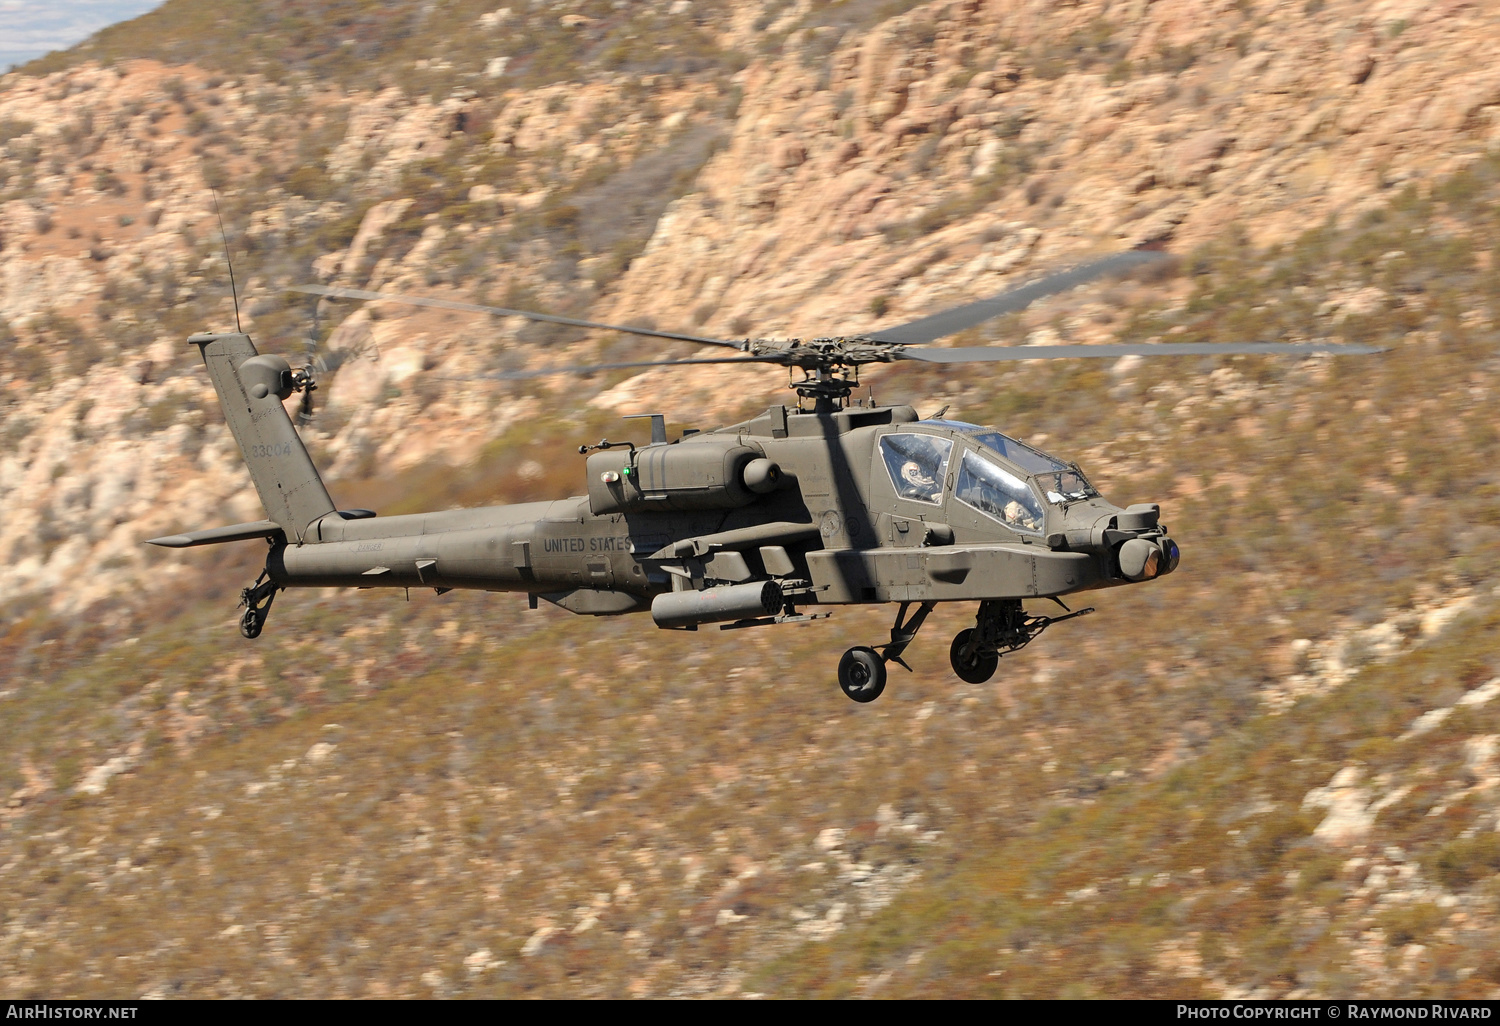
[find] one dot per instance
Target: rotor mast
(827, 390)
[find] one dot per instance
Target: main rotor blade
(994, 354)
(531, 315)
(947, 322)
(590, 368)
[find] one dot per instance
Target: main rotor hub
(830, 366)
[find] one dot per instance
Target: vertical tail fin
(251, 388)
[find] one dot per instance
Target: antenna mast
(234, 292)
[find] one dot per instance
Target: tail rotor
(304, 382)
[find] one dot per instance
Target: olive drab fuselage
(678, 516)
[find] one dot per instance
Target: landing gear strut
(1001, 626)
(862, 670)
(256, 602)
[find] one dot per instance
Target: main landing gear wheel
(862, 670)
(862, 674)
(976, 666)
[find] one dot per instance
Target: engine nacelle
(716, 605)
(707, 474)
(761, 476)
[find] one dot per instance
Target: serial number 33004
(267, 451)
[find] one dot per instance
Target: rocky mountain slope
(1290, 746)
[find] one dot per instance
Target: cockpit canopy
(918, 465)
(1010, 488)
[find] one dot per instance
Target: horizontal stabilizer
(214, 535)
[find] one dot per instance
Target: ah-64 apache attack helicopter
(768, 521)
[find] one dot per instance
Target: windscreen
(998, 493)
(1067, 486)
(1060, 481)
(917, 465)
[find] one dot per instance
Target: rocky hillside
(1286, 785)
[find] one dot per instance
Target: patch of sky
(33, 28)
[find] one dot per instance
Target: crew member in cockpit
(919, 483)
(917, 465)
(1017, 514)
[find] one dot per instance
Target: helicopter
(769, 521)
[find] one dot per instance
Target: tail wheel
(251, 623)
(978, 666)
(862, 674)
